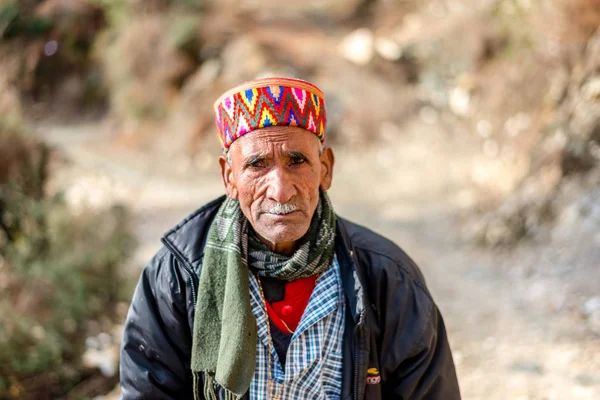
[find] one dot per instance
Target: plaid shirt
(313, 368)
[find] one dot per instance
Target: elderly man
(267, 294)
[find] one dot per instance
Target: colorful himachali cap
(270, 102)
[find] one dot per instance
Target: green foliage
(58, 271)
(15, 22)
(9, 13)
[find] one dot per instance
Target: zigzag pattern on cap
(270, 102)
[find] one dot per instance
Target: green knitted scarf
(224, 334)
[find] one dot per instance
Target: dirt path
(507, 342)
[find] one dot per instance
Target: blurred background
(468, 131)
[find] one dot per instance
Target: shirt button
(286, 310)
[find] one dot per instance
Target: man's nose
(281, 186)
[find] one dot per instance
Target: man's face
(276, 174)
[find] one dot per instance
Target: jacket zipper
(358, 346)
(355, 375)
(186, 267)
(358, 350)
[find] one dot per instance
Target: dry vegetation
(60, 274)
(561, 135)
(60, 271)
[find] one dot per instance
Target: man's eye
(297, 160)
(256, 164)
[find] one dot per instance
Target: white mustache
(282, 208)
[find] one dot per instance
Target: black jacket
(393, 331)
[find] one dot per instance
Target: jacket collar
(187, 239)
(353, 288)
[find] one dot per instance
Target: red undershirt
(286, 314)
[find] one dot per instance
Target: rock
(567, 219)
(105, 339)
(106, 360)
(388, 48)
(489, 343)
(92, 343)
(96, 193)
(591, 305)
(358, 46)
(460, 101)
(102, 352)
(498, 232)
(555, 142)
(517, 124)
(591, 90)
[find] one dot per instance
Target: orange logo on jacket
(373, 377)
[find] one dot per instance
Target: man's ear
(227, 176)
(327, 161)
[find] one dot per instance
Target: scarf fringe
(230, 396)
(209, 389)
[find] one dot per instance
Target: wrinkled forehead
(281, 139)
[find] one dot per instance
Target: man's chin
(278, 234)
